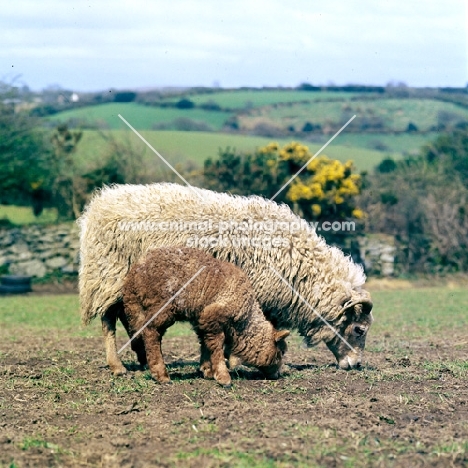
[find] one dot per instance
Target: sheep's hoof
(119, 371)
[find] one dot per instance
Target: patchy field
(179, 146)
(59, 405)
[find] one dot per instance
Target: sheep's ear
(362, 300)
(281, 335)
(366, 302)
(367, 306)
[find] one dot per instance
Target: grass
(54, 315)
(246, 99)
(422, 313)
(401, 143)
(21, 215)
(279, 108)
(85, 398)
(139, 116)
(395, 114)
(419, 313)
(254, 107)
(178, 146)
(42, 314)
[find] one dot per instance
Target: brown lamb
(219, 303)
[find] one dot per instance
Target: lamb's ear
(281, 335)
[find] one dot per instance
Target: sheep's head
(273, 354)
(346, 336)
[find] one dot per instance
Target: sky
(97, 45)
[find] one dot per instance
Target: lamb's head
(346, 336)
(271, 355)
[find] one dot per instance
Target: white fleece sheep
(299, 272)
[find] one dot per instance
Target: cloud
(239, 43)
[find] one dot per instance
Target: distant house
(13, 101)
(73, 97)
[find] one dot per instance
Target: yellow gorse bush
(326, 187)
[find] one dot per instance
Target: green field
(246, 99)
(53, 315)
(402, 143)
(139, 116)
(197, 146)
(21, 215)
(60, 405)
(405, 314)
(393, 114)
(367, 141)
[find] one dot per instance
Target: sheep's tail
(101, 273)
(87, 310)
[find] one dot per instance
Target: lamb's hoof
(207, 374)
(164, 380)
(234, 362)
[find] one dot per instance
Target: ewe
(298, 279)
(219, 303)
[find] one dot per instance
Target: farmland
(197, 146)
(141, 117)
(247, 118)
(392, 114)
(246, 99)
(408, 406)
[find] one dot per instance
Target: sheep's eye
(359, 331)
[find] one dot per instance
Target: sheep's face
(349, 342)
(273, 355)
(349, 353)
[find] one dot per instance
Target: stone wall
(378, 253)
(39, 250)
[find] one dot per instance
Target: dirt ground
(61, 407)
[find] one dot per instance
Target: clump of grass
(11, 216)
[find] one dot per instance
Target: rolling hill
(384, 125)
(197, 146)
(106, 116)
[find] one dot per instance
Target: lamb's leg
(109, 321)
(137, 343)
(211, 330)
(152, 339)
(205, 360)
(215, 345)
(234, 362)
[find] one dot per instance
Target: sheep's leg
(152, 339)
(109, 321)
(137, 343)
